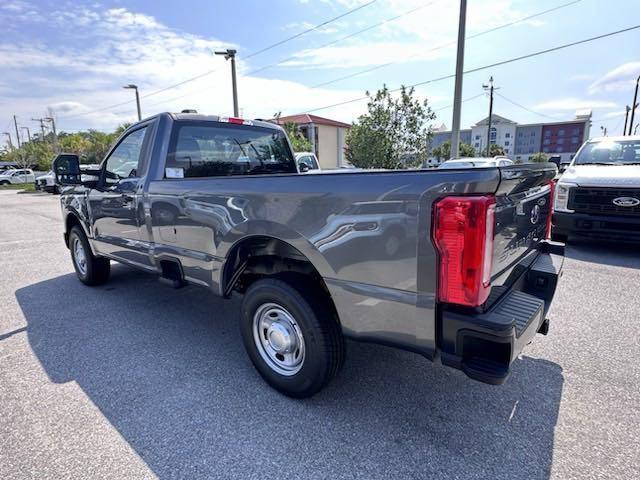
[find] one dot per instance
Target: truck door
(114, 204)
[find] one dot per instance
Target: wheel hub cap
(278, 339)
(79, 256)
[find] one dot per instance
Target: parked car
(47, 182)
(598, 196)
(477, 162)
(307, 161)
(17, 177)
(219, 202)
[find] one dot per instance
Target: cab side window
(124, 161)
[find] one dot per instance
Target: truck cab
(598, 196)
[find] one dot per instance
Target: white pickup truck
(16, 177)
(598, 196)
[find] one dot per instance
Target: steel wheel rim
(278, 339)
(79, 256)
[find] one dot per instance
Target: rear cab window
(211, 149)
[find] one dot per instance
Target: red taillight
(463, 235)
(552, 198)
(236, 120)
(239, 121)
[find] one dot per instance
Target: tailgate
(523, 207)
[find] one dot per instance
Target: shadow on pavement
(167, 369)
(606, 253)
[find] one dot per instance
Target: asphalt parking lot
(136, 380)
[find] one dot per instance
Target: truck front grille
(599, 200)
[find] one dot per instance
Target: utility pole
(230, 53)
(626, 119)
(634, 104)
(55, 133)
(41, 120)
(15, 122)
(603, 129)
(457, 91)
(9, 137)
(135, 87)
(490, 88)
(28, 133)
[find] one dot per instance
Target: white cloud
(620, 78)
(571, 103)
(428, 32)
(115, 47)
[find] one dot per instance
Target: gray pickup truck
(452, 264)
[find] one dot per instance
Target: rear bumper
(610, 227)
(484, 345)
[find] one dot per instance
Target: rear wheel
(292, 336)
(91, 270)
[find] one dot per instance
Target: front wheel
(91, 270)
(292, 336)
(4, 182)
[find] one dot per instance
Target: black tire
(4, 182)
(323, 344)
(93, 270)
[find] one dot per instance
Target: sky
(71, 59)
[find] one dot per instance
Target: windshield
(610, 152)
(7, 172)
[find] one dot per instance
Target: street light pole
(634, 105)
(9, 137)
(230, 54)
(490, 88)
(55, 133)
(15, 122)
(626, 119)
(28, 133)
(135, 87)
(457, 91)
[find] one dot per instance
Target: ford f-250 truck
(218, 202)
(598, 196)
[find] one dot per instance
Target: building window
(561, 132)
(560, 141)
(477, 144)
(507, 135)
(493, 135)
(574, 140)
(506, 143)
(576, 131)
(506, 150)
(547, 133)
(546, 141)
(559, 149)
(545, 149)
(477, 137)
(520, 134)
(531, 141)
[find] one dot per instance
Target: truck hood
(618, 176)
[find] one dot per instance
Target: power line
(485, 67)
(464, 100)
(346, 37)
(253, 54)
(445, 45)
(311, 29)
(523, 107)
(341, 39)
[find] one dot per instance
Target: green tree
(495, 150)
(539, 157)
(392, 134)
(443, 151)
(299, 142)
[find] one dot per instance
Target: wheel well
(72, 221)
(259, 257)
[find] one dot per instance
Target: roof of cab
(216, 118)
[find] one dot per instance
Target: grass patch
(27, 187)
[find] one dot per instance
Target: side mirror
(563, 167)
(303, 167)
(66, 169)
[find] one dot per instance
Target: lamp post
(230, 53)
(135, 87)
(634, 104)
(28, 132)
